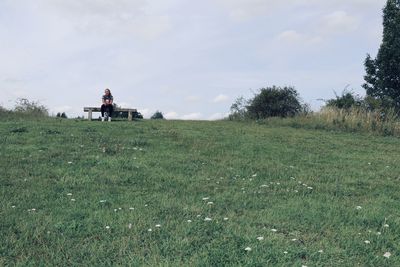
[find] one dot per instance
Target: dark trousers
(107, 108)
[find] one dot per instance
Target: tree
(239, 109)
(382, 79)
(275, 102)
(157, 116)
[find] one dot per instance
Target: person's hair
(108, 90)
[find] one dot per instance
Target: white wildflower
(260, 238)
(189, 221)
(210, 203)
(131, 208)
(386, 225)
(158, 225)
(103, 201)
(310, 187)
(285, 252)
(13, 207)
(320, 251)
(107, 227)
(387, 255)
(130, 226)
(226, 218)
(274, 230)
(149, 230)
(367, 242)
(254, 175)
(248, 249)
(207, 219)
(206, 198)
(72, 199)
(69, 194)
(294, 239)
(69, 162)
(358, 207)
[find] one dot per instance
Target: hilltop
(174, 193)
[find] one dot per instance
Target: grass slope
(315, 197)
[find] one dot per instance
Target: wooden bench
(90, 110)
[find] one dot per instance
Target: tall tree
(382, 79)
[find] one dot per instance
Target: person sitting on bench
(107, 105)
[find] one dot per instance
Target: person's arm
(103, 100)
(111, 100)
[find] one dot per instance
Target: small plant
(62, 115)
(346, 100)
(158, 115)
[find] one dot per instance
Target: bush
(157, 116)
(24, 106)
(239, 109)
(62, 115)
(274, 102)
(345, 101)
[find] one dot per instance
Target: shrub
(345, 101)
(62, 115)
(239, 109)
(157, 116)
(24, 106)
(274, 102)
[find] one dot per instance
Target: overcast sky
(188, 59)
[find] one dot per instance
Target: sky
(188, 59)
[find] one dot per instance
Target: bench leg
(129, 115)
(89, 115)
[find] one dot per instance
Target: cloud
(220, 98)
(124, 105)
(217, 116)
(119, 17)
(338, 22)
(294, 37)
(192, 98)
(192, 116)
(65, 108)
(145, 112)
(172, 115)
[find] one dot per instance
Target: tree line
(382, 82)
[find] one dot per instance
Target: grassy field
(180, 193)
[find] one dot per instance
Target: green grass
(253, 174)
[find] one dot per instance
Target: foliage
(28, 107)
(158, 115)
(346, 100)
(355, 119)
(274, 102)
(239, 109)
(382, 79)
(62, 115)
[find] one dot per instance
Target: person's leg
(110, 110)
(103, 107)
